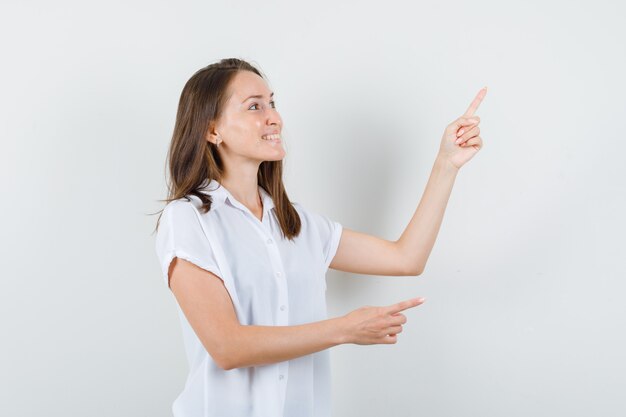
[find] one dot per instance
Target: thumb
(462, 121)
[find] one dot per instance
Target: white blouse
(272, 282)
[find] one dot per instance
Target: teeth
(271, 137)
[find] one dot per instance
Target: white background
(525, 286)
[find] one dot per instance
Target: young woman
(247, 266)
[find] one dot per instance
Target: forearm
(260, 345)
(418, 239)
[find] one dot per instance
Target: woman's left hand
(461, 140)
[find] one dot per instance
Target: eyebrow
(256, 96)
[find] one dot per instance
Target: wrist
(341, 335)
(443, 164)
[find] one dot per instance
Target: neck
(246, 192)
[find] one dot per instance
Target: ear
(211, 134)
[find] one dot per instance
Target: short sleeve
(330, 234)
(180, 235)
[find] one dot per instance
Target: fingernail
(458, 141)
(460, 132)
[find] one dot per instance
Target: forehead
(247, 83)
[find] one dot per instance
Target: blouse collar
(219, 195)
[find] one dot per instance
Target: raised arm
(361, 253)
(459, 144)
(365, 254)
(418, 239)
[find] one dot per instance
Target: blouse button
(281, 376)
(282, 308)
(269, 240)
(278, 274)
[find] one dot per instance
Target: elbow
(232, 353)
(228, 354)
(410, 272)
(409, 265)
(417, 272)
(226, 363)
(414, 270)
(223, 357)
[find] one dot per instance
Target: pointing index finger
(476, 102)
(403, 305)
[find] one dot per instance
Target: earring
(218, 143)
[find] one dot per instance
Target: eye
(256, 104)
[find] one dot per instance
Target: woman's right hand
(375, 325)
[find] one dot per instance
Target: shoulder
(304, 213)
(181, 207)
(181, 225)
(312, 218)
(301, 209)
(180, 211)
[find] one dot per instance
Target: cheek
(247, 131)
(243, 131)
(255, 130)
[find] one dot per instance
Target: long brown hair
(192, 159)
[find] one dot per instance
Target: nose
(273, 117)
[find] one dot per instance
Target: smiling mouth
(272, 138)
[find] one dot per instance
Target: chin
(277, 158)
